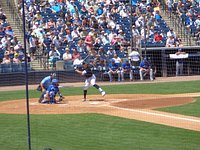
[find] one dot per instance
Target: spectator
(60, 24)
(16, 59)
(136, 36)
(50, 25)
(169, 7)
(32, 45)
(102, 53)
(178, 41)
(117, 60)
(158, 37)
(157, 16)
(145, 69)
(56, 41)
(54, 55)
(121, 37)
(6, 58)
(101, 66)
(89, 41)
(37, 17)
(2, 32)
(126, 68)
(189, 22)
(170, 41)
(9, 31)
(47, 43)
(171, 33)
(123, 13)
(75, 54)
(67, 55)
(20, 50)
(110, 53)
(197, 23)
(75, 34)
(113, 69)
(2, 16)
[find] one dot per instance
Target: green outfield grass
(92, 132)
(101, 132)
(192, 109)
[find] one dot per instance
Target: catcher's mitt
(39, 88)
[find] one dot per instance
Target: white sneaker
(103, 93)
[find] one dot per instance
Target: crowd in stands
(72, 29)
(98, 28)
(11, 50)
(188, 12)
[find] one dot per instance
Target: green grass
(192, 109)
(92, 132)
(148, 88)
(101, 132)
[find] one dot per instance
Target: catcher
(52, 91)
(90, 79)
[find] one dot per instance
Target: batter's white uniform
(89, 81)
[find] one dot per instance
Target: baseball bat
(85, 58)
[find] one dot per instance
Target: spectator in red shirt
(158, 37)
(75, 54)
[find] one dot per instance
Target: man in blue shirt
(113, 69)
(126, 68)
(145, 69)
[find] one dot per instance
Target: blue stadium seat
(68, 65)
(6, 68)
(16, 67)
(28, 67)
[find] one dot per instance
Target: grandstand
(120, 27)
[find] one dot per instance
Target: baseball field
(148, 116)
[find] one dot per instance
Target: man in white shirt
(67, 55)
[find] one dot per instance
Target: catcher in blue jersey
(90, 79)
(51, 92)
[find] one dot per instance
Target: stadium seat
(16, 67)
(68, 65)
(6, 68)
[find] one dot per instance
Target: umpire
(44, 84)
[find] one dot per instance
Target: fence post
(164, 63)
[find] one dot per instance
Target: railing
(177, 23)
(42, 60)
(15, 15)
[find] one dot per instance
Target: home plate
(94, 103)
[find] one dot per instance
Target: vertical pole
(164, 63)
(131, 23)
(145, 39)
(26, 77)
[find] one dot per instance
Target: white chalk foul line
(157, 114)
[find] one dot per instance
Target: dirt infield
(132, 106)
